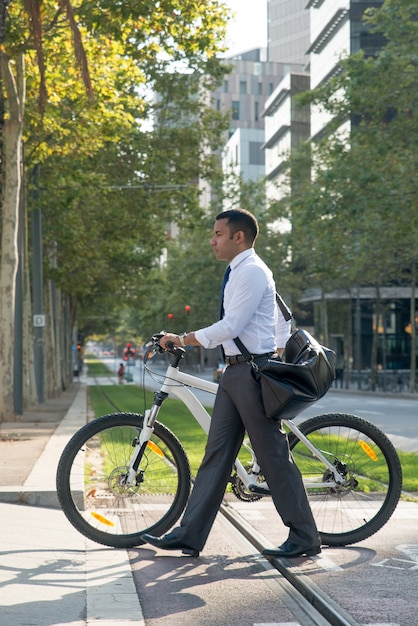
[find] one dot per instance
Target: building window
(260, 89)
(256, 153)
(235, 109)
(225, 86)
(218, 105)
(256, 111)
(243, 87)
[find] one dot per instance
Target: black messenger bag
(304, 374)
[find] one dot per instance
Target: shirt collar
(241, 257)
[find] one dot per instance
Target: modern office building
(243, 156)
(336, 30)
(288, 31)
(244, 94)
(287, 127)
(245, 90)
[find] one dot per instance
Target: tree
(150, 37)
(12, 161)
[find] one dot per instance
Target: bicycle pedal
(261, 489)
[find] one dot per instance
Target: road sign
(39, 321)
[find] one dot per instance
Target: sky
(249, 28)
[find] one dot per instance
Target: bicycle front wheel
(91, 475)
(371, 470)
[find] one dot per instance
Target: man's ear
(239, 236)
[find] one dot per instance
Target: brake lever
(153, 346)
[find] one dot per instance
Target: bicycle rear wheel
(90, 481)
(359, 507)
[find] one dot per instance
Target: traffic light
(170, 316)
(187, 309)
(128, 352)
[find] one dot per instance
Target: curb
(39, 488)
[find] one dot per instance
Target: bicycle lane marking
(410, 563)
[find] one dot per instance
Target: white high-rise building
(336, 30)
(288, 31)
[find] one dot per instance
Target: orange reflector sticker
(102, 519)
(367, 449)
(155, 448)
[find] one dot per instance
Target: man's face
(223, 243)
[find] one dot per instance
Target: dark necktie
(225, 280)
(221, 304)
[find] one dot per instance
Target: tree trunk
(15, 89)
(29, 382)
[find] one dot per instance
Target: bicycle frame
(179, 383)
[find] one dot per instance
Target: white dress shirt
(251, 312)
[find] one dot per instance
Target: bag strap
(242, 348)
(287, 314)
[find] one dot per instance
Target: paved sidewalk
(50, 575)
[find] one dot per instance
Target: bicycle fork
(140, 443)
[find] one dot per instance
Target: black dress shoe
(169, 542)
(291, 550)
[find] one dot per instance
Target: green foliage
(190, 276)
(111, 180)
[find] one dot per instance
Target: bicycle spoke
(94, 490)
(371, 476)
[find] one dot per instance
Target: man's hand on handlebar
(167, 338)
(183, 340)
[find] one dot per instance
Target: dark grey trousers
(238, 408)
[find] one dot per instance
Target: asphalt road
(397, 416)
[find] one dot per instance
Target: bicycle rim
(372, 485)
(90, 481)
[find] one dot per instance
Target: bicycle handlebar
(155, 348)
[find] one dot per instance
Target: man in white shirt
(250, 313)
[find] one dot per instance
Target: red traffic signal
(170, 316)
(187, 309)
(128, 352)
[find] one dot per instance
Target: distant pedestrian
(121, 373)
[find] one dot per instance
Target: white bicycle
(126, 474)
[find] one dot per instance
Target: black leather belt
(240, 358)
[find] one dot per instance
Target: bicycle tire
(89, 477)
(364, 503)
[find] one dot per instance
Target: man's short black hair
(241, 219)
